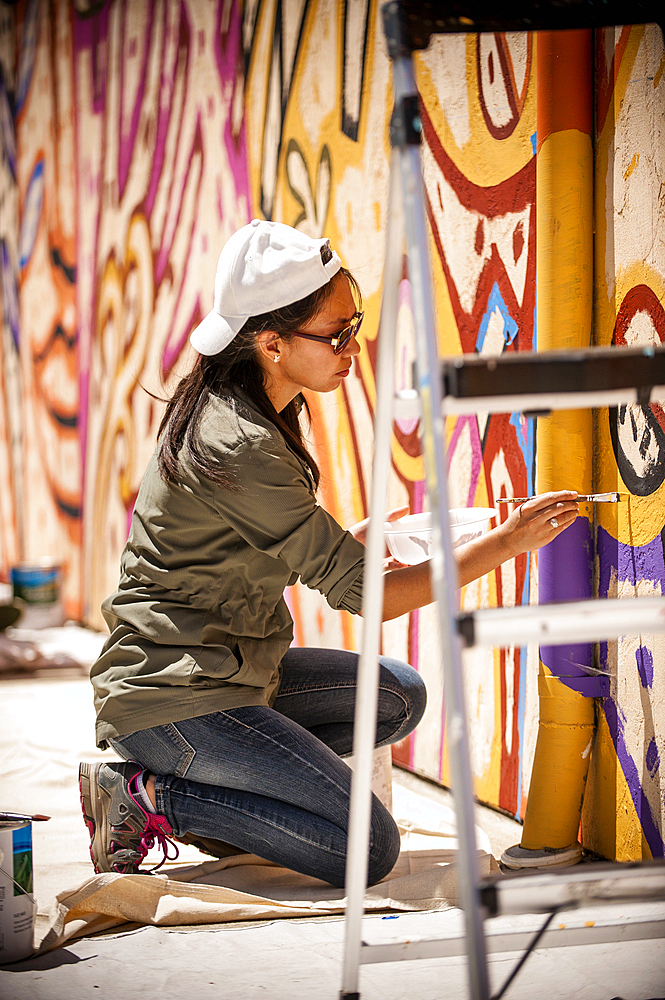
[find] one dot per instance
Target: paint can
(382, 774)
(37, 592)
(17, 903)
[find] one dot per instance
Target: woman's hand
(526, 529)
(538, 521)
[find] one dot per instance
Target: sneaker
(121, 830)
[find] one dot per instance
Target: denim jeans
(270, 780)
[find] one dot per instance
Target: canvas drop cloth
(246, 887)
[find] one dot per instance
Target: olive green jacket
(199, 623)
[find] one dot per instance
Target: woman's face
(308, 364)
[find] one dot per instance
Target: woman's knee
(412, 688)
(384, 843)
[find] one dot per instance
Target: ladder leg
(368, 668)
(444, 583)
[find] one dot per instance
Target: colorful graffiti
(39, 297)
(638, 432)
(123, 173)
(479, 169)
(10, 380)
(138, 136)
(164, 173)
(324, 168)
(630, 292)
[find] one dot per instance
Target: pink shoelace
(156, 830)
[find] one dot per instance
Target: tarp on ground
(245, 887)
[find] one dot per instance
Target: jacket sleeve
(275, 511)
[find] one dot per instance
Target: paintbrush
(6, 817)
(586, 498)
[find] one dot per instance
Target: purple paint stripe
(565, 574)
(652, 757)
(633, 563)
(91, 34)
(229, 57)
(565, 565)
(644, 660)
(166, 85)
(631, 774)
(476, 452)
(127, 140)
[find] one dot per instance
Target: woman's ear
(269, 346)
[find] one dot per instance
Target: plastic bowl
(409, 539)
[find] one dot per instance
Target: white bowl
(409, 539)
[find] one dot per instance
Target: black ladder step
(597, 369)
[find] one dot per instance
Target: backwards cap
(263, 266)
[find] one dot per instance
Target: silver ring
(554, 522)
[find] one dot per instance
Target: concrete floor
(284, 959)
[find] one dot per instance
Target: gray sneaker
(121, 830)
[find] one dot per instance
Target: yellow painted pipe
(560, 766)
(564, 267)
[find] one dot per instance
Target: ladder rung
(422, 20)
(542, 403)
(543, 891)
(557, 624)
(576, 931)
(631, 373)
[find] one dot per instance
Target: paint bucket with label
(17, 903)
(37, 594)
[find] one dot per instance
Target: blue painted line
(510, 328)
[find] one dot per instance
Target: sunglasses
(339, 340)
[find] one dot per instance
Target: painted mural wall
(318, 157)
(137, 136)
(624, 811)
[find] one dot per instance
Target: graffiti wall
(624, 810)
(123, 174)
(137, 136)
(479, 166)
(163, 182)
(10, 395)
(41, 392)
(318, 158)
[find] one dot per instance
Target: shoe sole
(564, 858)
(93, 815)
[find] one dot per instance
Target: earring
(276, 358)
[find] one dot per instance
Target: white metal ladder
(461, 385)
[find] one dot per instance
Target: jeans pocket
(162, 749)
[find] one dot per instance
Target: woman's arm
(527, 528)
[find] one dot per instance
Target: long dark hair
(237, 367)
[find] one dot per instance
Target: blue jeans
(270, 780)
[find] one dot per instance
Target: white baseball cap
(264, 266)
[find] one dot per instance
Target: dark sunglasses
(339, 340)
